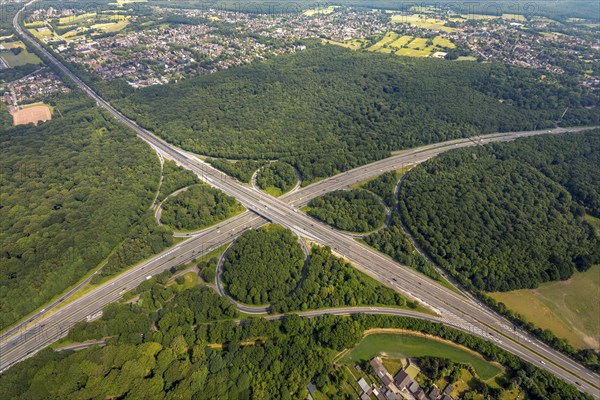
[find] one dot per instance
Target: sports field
(570, 309)
(33, 114)
(392, 345)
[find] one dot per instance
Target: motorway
(455, 310)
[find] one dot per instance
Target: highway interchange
(453, 309)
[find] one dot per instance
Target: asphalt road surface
(455, 309)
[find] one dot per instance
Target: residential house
(402, 380)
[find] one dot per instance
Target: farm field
(401, 41)
(77, 27)
(562, 307)
(388, 38)
(352, 45)
(42, 33)
(410, 46)
(510, 17)
(13, 45)
(77, 19)
(423, 21)
(418, 43)
(413, 53)
(443, 42)
(393, 345)
(111, 26)
(319, 10)
(121, 3)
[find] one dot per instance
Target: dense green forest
(393, 241)
(384, 186)
(174, 343)
(6, 120)
(349, 210)
(242, 170)
(497, 217)
(145, 239)
(263, 266)
(276, 178)
(175, 178)
(198, 207)
(72, 188)
(333, 282)
(208, 269)
(17, 72)
(571, 160)
(327, 109)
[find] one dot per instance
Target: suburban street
(452, 308)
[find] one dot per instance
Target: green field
(190, 279)
(423, 21)
(42, 33)
(111, 26)
(410, 46)
(120, 3)
(413, 53)
(510, 17)
(593, 221)
(77, 19)
(405, 345)
(352, 45)
(387, 39)
(320, 10)
(570, 309)
(36, 24)
(443, 42)
(418, 43)
(401, 41)
(22, 58)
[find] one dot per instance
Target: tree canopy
(395, 243)
(277, 178)
(198, 207)
(333, 282)
(72, 188)
(327, 109)
(384, 186)
(352, 210)
(190, 348)
(242, 170)
(174, 178)
(264, 265)
(496, 221)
